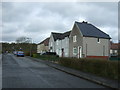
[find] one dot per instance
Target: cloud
(38, 19)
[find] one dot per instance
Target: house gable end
(75, 26)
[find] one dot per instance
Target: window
(98, 40)
(116, 51)
(74, 51)
(51, 43)
(57, 42)
(74, 38)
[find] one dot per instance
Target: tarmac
(115, 84)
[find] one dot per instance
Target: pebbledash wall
(58, 45)
(62, 44)
(52, 44)
(93, 48)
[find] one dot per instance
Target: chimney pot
(84, 22)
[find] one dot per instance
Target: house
(86, 40)
(114, 49)
(43, 46)
(59, 43)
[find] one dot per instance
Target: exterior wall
(51, 44)
(42, 48)
(65, 46)
(79, 41)
(38, 49)
(58, 47)
(91, 47)
(62, 44)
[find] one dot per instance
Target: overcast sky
(38, 20)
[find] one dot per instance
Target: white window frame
(74, 52)
(74, 38)
(79, 51)
(57, 42)
(51, 43)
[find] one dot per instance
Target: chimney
(84, 22)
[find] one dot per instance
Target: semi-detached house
(43, 46)
(84, 40)
(59, 43)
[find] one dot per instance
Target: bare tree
(24, 39)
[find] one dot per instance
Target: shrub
(46, 57)
(105, 68)
(35, 55)
(99, 67)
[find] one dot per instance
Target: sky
(38, 19)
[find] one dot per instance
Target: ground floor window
(74, 50)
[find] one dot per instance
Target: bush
(105, 68)
(35, 55)
(99, 67)
(46, 57)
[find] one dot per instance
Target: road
(0, 71)
(22, 72)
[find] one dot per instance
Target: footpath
(88, 76)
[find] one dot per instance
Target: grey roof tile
(45, 42)
(59, 36)
(90, 30)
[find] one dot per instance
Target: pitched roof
(45, 42)
(89, 30)
(59, 36)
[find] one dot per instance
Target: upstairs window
(98, 40)
(51, 44)
(74, 38)
(57, 42)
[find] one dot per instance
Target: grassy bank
(104, 68)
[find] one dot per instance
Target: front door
(62, 52)
(79, 51)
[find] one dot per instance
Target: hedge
(105, 68)
(100, 67)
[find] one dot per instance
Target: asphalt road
(0, 71)
(21, 72)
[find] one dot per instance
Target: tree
(24, 39)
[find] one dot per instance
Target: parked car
(20, 53)
(50, 53)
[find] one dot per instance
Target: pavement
(88, 76)
(26, 72)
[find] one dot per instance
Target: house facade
(43, 46)
(59, 43)
(87, 40)
(84, 40)
(114, 48)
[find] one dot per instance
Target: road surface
(21, 72)
(0, 71)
